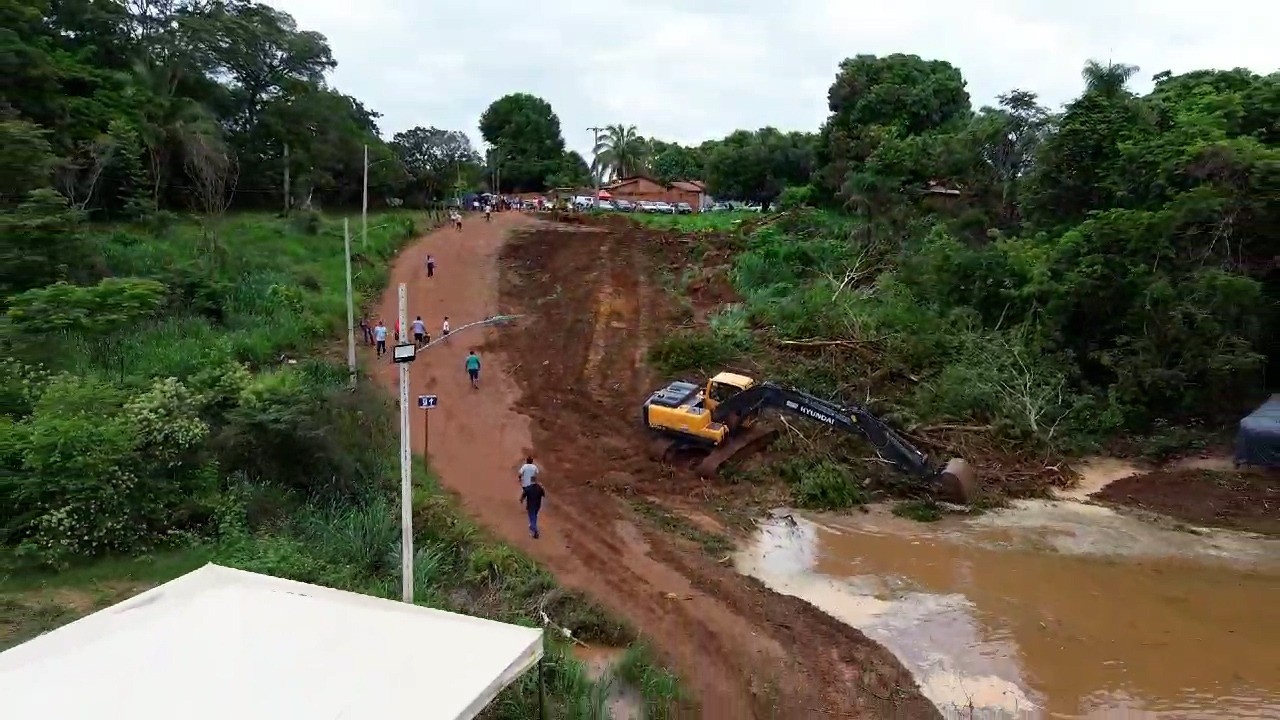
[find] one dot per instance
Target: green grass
(715, 544)
(697, 222)
(661, 691)
(266, 287)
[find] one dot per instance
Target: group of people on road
(376, 334)
(531, 490)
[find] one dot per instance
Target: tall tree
(621, 152)
(672, 161)
(1078, 168)
(436, 159)
(874, 97)
(756, 166)
(523, 133)
(573, 172)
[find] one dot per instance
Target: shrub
(690, 350)
(99, 473)
(795, 196)
(821, 484)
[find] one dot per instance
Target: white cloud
(688, 70)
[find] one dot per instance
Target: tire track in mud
(746, 651)
(602, 312)
(644, 315)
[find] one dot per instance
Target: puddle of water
(1047, 610)
(1095, 473)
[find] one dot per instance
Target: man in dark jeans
(531, 496)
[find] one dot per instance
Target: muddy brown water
(1048, 609)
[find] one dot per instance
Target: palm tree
(621, 152)
(1108, 80)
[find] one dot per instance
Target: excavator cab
(724, 386)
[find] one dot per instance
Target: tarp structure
(223, 643)
(1258, 441)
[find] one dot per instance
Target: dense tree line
(128, 107)
(1109, 267)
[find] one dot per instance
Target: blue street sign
(426, 402)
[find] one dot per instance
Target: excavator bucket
(958, 482)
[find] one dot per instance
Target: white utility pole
(597, 172)
(351, 303)
(406, 462)
(364, 205)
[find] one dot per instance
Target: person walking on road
(531, 496)
(366, 330)
(419, 332)
(444, 329)
(380, 337)
(473, 369)
(431, 266)
(528, 472)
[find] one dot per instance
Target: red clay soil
(565, 385)
(1247, 501)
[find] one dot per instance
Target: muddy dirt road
(565, 385)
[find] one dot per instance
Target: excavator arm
(956, 479)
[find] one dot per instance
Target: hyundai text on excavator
(721, 418)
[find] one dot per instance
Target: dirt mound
(1235, 500)
(592, 311)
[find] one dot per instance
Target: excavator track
(747, 441)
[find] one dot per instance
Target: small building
(696, 189)
(643, 187)
(221, 643)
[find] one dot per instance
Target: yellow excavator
(721, 419)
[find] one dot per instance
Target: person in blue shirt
(419, 332)
(473, 369)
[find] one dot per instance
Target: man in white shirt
(528, 472)
(380, 337)
(444, 329)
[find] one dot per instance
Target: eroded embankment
(591, 312)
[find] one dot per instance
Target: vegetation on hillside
(1084, 276)
(166, 392)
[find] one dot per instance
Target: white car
(645, 206)
(663, 207)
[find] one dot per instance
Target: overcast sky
(691, 70)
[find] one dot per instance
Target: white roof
(223, 643)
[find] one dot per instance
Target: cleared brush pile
(810, 299)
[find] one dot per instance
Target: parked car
(664, 207)
(684, 208)
(645, 206)
(720, 207)
(605, 205)
(624, 205)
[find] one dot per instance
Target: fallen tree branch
(953, 428)
(816, 342)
